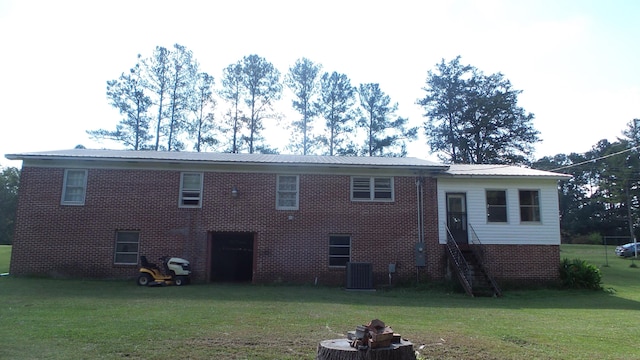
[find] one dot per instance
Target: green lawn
(76, 319)
(5, 258)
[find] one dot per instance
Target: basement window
(496, 206)
(529, 206)
(288, 192)
(127, 247)
(339, 250)
(74, 189)
(371, 188)
(191, 190)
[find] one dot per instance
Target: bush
(579, 274)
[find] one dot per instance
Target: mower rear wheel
(144, 279)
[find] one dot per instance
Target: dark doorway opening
(231, 257)
(457, 217)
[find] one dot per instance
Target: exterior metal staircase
(468, 265)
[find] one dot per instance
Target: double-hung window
(339, 250)
(496, 206)
(74, 188)
(190, 190)
(127, 247)
(287, 195)
(529, 206)
(371, 188)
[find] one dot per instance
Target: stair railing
(462, 267)
(480, 253)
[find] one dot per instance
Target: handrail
(480, 253)
(464, 272)
(478, 250)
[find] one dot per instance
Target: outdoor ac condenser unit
(359, 276)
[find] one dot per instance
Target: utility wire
(596, 159)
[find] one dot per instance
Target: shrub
(579, 274)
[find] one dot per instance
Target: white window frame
(505, 206)
(280, 193)
(190, 195)
(341, 257)
(68, 188)
(123, 244)
(533, 207)
(371, 188)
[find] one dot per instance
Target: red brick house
(279, 218)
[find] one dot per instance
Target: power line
(596, 159)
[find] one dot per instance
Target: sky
(577, 62)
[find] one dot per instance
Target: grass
(80, 319)
(5, 258)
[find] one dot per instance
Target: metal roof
(460, 170)
(228, 158)
(211, 158)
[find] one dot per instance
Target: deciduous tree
(475, 118)
(9, 182)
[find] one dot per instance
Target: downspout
(420, 208)
(420, 214)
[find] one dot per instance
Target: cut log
(340, 349)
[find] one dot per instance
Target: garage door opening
(231, 257)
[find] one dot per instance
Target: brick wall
(524, 264)
(289, 246)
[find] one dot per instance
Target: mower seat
(147, 264)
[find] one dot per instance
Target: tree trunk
(340, 349)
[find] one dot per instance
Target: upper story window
(287, 195)
(74, 189)
(127, 247)
(371, 188)
(496, 206)
(529, 205)
(191, 190)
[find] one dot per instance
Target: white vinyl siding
(190, 190)
(287, 195)
(371, 188)
(546, 231)
(74, 189)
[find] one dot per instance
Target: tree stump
(340, 349)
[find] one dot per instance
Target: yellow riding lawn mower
(173, 271)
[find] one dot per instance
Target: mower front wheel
(144, 279)
(180, 280)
